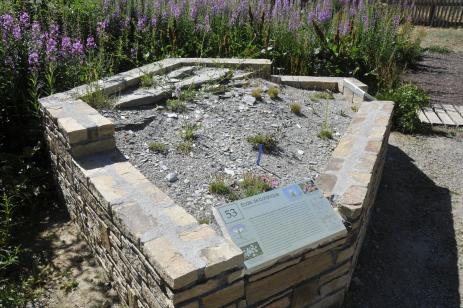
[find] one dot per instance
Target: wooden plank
(446, 120)
(432, 116)
(453, 114)
(422, 117)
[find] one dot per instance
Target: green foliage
(254, 185)
(408, 99)
(257, 93)
(219, 187)
(273, 92)
(69, 285)
(189, 131)
(146, 81)
(157, 147)
(317, 96)
(176, 105)
(185, 147)
(269, 142)
(296, 108)
(325, 131)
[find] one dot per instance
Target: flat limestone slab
(142, 97)
(280, 222)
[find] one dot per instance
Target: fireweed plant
(51, 46)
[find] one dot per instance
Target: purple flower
(310, 17)
(154, 21)
(141, 23)
(33, 60)
(24, 19)
(101, 26)
(207, 26)
(365, 21)
(66, 46)
(6, 22)
(133, 53)
(77, 48)
(50, 49)
(16, 32)
(90, 42)
(174, 9)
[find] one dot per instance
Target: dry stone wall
(158, 255)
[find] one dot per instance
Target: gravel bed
(221, 149)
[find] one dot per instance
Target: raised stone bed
(156, 253)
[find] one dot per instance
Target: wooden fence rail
(435, 13)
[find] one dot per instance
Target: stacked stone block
(158, 255)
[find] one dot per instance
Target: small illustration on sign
(292, 192)
(238, 230)
(251, 251)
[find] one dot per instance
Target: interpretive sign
(275, 223)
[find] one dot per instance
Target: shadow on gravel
(409, 257)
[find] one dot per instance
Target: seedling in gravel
(185, 147)
(354, 107)
(269, 142)
(204, 221)
(343, 114)
(257, 93)
(254, 185)
(317, 96)
(273, 92)
(296, 108)
(176, 105)
(219, 187)
(326, 131)
(157, 147)
(189, 131)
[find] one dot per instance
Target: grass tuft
(189, 131)
(269, 142)
(176, 105)
(296, 108)
(185, 147)
(219, 187)
(273, 92)
(318, 96)
(257, 93)
(157, 147)
(254, 185)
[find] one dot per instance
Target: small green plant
(96, 98)
(69, 285)
(268, 142)
(343, 114)
(317, 96)
(326, 131)
(188, 95)
(189, 131)
(185, 147)
(273, 92)
(257, 93)
(146, 81)
(254, 185)
(157, 147)
(437, 49)
(296, 108)
(219, 187)
(204, 221)
(176, 105)
(354, 107)
(408, 99)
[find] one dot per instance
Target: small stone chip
(172, 177)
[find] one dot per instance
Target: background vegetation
(50, 46)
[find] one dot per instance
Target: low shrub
(273, 92)
(257, 93)
(254, 185)
(408, 99)
(176, 105)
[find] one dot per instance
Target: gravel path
(221, 150)
(410, 257)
